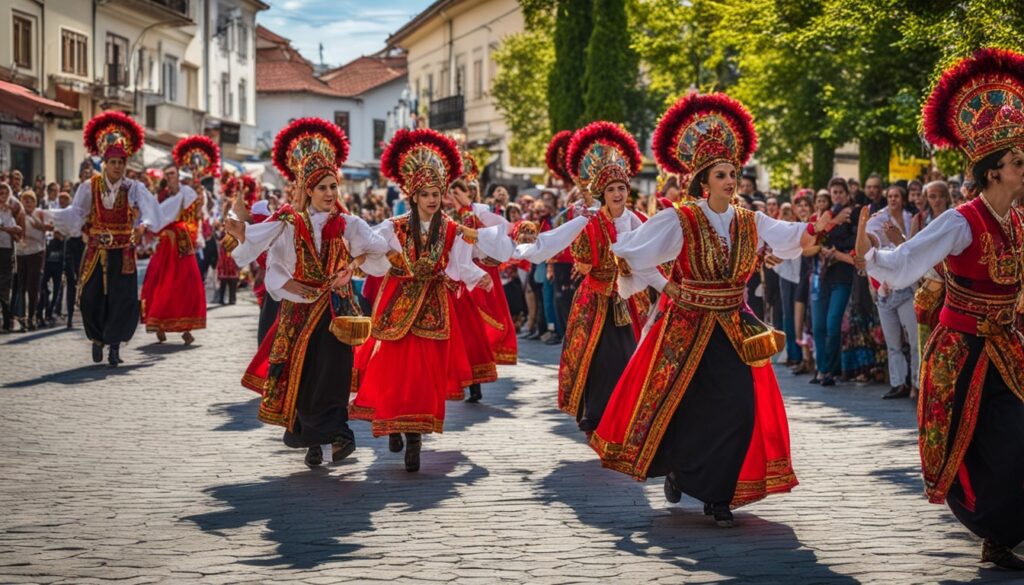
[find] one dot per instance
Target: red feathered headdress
(600, 154)
(199, 154)
(250, 189)
(555, 156)
(309, 149)
(113, 134)
(421, 158)
(704, 130)
(978, 104)
(470, 168)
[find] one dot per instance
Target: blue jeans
(540, 275)
(788, 292)
(827, 315)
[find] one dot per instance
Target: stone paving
(159, 472)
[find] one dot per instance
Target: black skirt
(994, 460)
(614, 348)
(321, 408)
(110, 317)
(708, 436)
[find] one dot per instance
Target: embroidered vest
(109, 229)
(710, 276)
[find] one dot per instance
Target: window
(460, 80)
(378, 137)
(243, 42)
(117, 60)
(225, 95)
(341, 119)
(430, 86)
(478, 79)
(22, 42)
(74, 51)
(243, 101)
(170, 78)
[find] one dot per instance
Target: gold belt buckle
(106, 238)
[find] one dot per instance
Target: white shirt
(460, 259)
(151, 214)
(34, 240)
(947, 235)
(661, 239)
(492, 243)
(7, 220)
(277, 238)
(876, 225)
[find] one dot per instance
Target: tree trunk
(875, 152)
(823, 159)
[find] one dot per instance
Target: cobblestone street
(158, 471)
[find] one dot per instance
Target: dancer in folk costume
(112, 212)
(404, 371)
(303, 368)
(971, 407)
(228, 271)
(699, 402)
(173, 295)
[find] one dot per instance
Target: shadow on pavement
(317, 516)
(241, 416)
(18, 338)
(170, 346)
(756, 550)
(496, 403)
(80, 375)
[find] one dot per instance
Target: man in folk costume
(971, 408)
(112, 212)
(303, 368)
(173, 295)
(406, 370)
(699, 402)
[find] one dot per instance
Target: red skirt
(173, 296)
(500, 330)
(227, 269)
(469, 344)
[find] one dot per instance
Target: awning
(24, 104)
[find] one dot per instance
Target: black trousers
(614, 348)
(30, 275)
(565, 289)
(322, 404)
(7, 266)
(49, 302)
(708, 436)
(73, 250)
(994, 460)
(110, 317)
(268, 314)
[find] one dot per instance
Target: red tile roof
(266, 34)
(365, 73)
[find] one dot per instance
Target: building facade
(450, 49)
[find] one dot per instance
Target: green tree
(565, 81)
(525, 62)
(610, 66)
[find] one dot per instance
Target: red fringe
(940, 125)
(606, 132)
(404, 140)
(282, 143)
(690, 106)
(555, 155)
(132, 128)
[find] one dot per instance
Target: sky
(347, 28)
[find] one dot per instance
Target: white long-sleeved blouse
(460, 258)
(900, 267)
(493, 241)
(153, 214)
(661, 239)
(277, 238)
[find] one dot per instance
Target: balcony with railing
(448, 113)
(170, 11)
(171, 117)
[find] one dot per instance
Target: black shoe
(114, 356)
(555, 339)
(534, 336)
(709, 510)
(342, 448)
(395, 443)
(828, 381)
(414, 442)
(474, 394)
(314, 456)
(815, 380)
(97, 352)
(897, 392)
(723, 516)
(70, 326)
(672, 493)
(1001, 555)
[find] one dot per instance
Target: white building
(358, 96)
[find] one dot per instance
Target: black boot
(672, 493)
(97, 352)
(114, 356)
(1001, 555)
(474, 394)
(342, 448)
(902, 391)
(413, 442)
(232, 291)
(314, 456)
(395, 444)
(722, 514)
(221, 289)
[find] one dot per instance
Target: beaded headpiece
(199, 154)
(978, 105)
(250, 190)
(309, 149)
(416, 159)
(700, 131)
(600, 154)
(113, 134)
(555, 156)
(470, 168)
